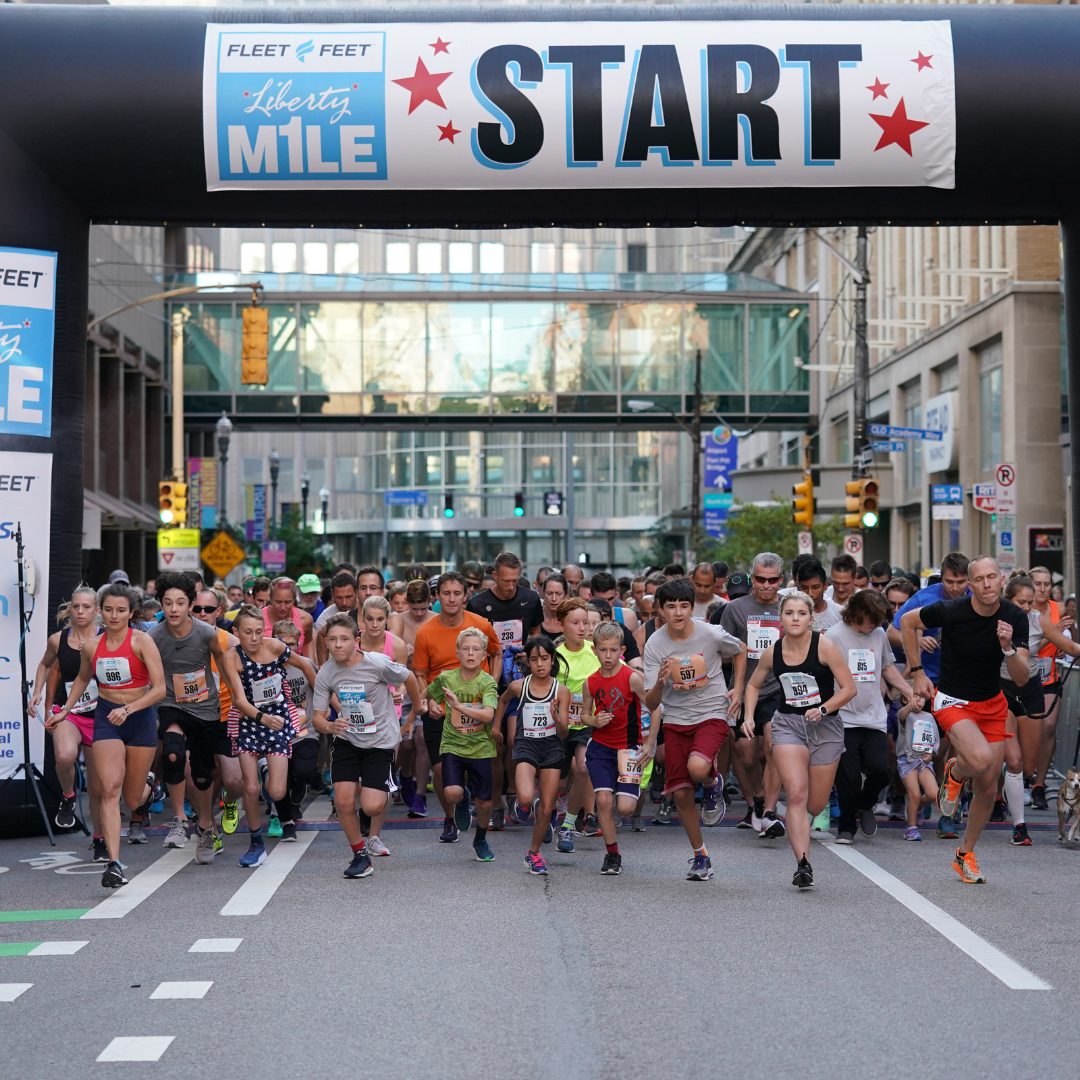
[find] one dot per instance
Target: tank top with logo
(806, 685)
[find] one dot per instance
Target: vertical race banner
(27, 301)
(202, 493)
(25, 497)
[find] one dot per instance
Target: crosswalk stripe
(10, 991)
(136, 1048)
(171, 991)
(141, 886)
(258, 890)
(216, 944)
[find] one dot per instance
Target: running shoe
(566, 840)
(637, 825)
(482, 851)
(534, 863)
(219, 844)
(821, 822)
(449, 832)
(912, 833)
(756, 816)
(1027, 795)
(592, 826)
(462, 817)
(360, 865)
(297, 792)
(560, 808)
(113, 877)
(288, 833)
(746, 822)
(498, 819)
(712, 806)
(204, 847)
(997, 815)
(274, 828)
(1038, 798)
(663, 812)
(772, 828)
(255, 854)
(948, 795)
(845, 838)
(612, 863)
(230, 817)
(101, 852)
(136, 833)
(178, 834)
(579, 822)
(881, 807)
(375, 846)
(946, 829)
(700, 868)
(418, 807)
(968, 869)
(804, 875)
(65, 813)
(1020, 835)
(868, 822)
(513, 815)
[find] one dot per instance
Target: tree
(305, 553)
(753, 528)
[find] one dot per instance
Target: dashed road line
(141, 886)
(178, 990)
(216, 944)
(259, 889)
(136, 1048)
(11, 991)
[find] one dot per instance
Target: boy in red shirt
(615, 756)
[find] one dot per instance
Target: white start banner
(475, 105)
(26, 499)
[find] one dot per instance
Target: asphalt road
(438, 966)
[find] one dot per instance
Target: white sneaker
(178, 834)
(883, 808)
(375, 846)
(204, 849)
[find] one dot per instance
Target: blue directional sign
(406, 498)
(886, 431)
(721, 460)
(948, 494)
(889, 446)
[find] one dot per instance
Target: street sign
(1005, 474)
(947, 502)
(716, 499)
(806, 543)
(722, 434)
(273, 556)
(178, 558)
(853, 546)
(890, 447)
(886, 431)
(721, 459)
(222, 554)
(178, 538)
(1006, 539)
(404, 498)
(983, 497)
(865, 457)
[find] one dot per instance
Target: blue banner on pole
(273, 556)
(256, 511)
(721, 460)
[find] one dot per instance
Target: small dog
(1068, 805)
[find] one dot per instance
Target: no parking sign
(853, 546)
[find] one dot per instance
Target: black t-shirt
(630, 649)
(970, 649)
(513, 619)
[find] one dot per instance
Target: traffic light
(172, 503)
(519, 504)
(448, 506)
(862, 504)
(553, 503)
(254, 348)
(802, 502)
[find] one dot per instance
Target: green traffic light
(869, 520)
(448, 512)
(519, 511)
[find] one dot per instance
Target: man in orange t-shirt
(435, 651)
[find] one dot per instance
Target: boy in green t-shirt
(469, 696)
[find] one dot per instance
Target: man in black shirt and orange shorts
(977, 630)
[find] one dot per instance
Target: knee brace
(202, 782)
(173, 753)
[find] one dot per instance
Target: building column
(1070, 243)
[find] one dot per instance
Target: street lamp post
(224, 432)
(305, 489)
(275, 468)
(324, 496)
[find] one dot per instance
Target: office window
(491, 258)
(253, 470)
(604, 259)
(316, 470)
(346, 473)
(429, 257)
(252, 258)
(316, 258)
(543, 258)
(841, 441)
(283, 258)
(398, 259)
(460, 257)
(347, 258)
(948, 376)
(287, 486)
(990, 404)
(573, 259)
(637, 258)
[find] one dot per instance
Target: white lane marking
(57, 948)
(136, 1048)
(319, 810)
(180, 990)
(216, 944)
(257, 891)
(141, 886)
(979, 949)
(10, 991)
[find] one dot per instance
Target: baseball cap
(738, 585)
(119, 575)
(309, 583)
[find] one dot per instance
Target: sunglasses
(203, 610)
(879, 584)
(473, 584)
(767, 580)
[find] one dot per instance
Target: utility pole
(178, 318)
(862, 356)
(695, 436)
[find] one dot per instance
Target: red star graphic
(441, 46)
(246, 94)
(423, 85)
(355, 86)
(26, 322)
(879, 89)
(923, 61)
(448, 132)
(897, 128)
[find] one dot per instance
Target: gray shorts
(824, 740)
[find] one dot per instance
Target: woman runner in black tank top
(807, 732)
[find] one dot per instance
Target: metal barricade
(1068, 725)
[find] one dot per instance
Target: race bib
(923, 734)
(861, 663)
(113, 671)
(510, 632)
(1046, 667)
(575, 709)
(760, 636)
(688, 673)
(356, 709)
(536, 720)
(190, 686)
(630, 766)
(800, 690)
(465, 724)
(943, 701)
(265, 690)
(87, 700)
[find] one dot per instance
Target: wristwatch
(919, 668)
(1011, 652)
(823, 711)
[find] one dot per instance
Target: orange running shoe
(949, 792)
(968, 868)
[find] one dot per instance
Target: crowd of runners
(560, 707)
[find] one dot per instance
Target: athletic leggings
(866, 753)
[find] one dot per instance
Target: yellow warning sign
(222, 554)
